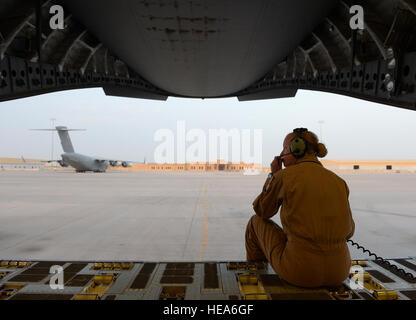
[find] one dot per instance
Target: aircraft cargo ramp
(30, 280)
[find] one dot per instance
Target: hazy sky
(124, 128)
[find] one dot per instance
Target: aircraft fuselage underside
(237, 48)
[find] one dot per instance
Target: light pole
(53, 127)
(321, 122)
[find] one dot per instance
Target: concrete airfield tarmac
(144, 216)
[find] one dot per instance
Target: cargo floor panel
(195, 280)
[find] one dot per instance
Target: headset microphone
(284, 155)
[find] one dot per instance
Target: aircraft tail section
(65, 139)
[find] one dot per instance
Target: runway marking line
(205, 207)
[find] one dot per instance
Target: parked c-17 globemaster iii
(80, 162)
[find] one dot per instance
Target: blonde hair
(313, 144)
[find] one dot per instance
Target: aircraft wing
(62, 163)
(49, 161)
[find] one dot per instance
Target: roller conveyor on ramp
(30, 280)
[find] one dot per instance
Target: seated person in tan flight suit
(310, 250)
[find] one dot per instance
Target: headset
(298, 145)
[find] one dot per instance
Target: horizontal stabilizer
(58, 129)
(64, 136)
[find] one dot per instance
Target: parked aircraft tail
(64, 137)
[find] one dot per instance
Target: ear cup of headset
(298, 147)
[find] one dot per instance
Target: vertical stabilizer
(65, 139)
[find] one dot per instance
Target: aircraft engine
(63, 164)
(125, 164)
(113, 163)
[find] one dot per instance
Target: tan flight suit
(311, 249)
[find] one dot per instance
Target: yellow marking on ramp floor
(204, 239)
